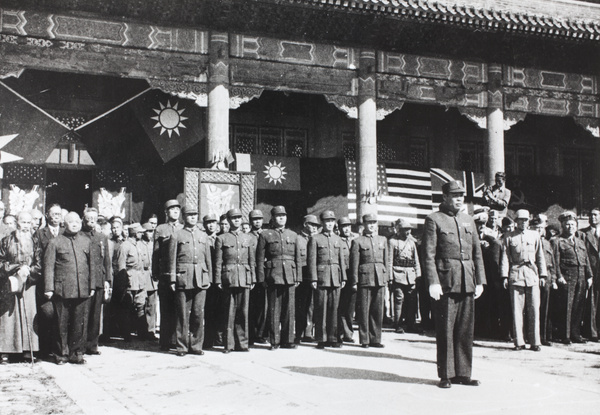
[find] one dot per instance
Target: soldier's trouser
(94, 317)
(526, 299)
(71, 322)
(545, 322)
(281, 313)
(405, 300)
(370, 313)
(454, 325)
(592, 313)
(572, 300)
(151, 310)
(258, 312)
(304, 309)
(327, 301)
(425, 308)
(168, 315)
(235, 330)
(190, 319)
(215, 315)
(133, 317)
(346, 312)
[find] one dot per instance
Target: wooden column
(494, 140)
(367, 136)
(217, 144)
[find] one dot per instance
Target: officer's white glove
(542, 282)
(106, 285)
(505, 283)
(589, 282)
(478, 290)
(435, 291)
(92, 292)
(314, 285)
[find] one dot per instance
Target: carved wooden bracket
(386, 106)
(196, 91)
(240, 95)
(590, 124)
(8, 70)
(344, 103)
(479, 117)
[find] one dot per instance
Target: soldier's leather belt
(463, 257)
(329, 263)
(284, 258)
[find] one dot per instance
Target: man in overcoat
(591, 237)
(305, 303)
(453, 266)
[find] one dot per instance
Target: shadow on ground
(355, 374)
(364, 353)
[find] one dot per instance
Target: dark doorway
(71, 189)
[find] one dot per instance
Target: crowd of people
(68, 283)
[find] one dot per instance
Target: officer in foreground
(454, 269)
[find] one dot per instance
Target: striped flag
(402, 193)
(473, 183)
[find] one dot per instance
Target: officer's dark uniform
(191, 271)
(347, 305)
(326, 267)
(160, 270)
(235, 254)
(452, 258)
(213, 308)
(259, 309)
(591, 321)
(368, 259)
(305, 293)
(278, 265)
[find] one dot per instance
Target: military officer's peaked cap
(568, 215)
(189, 210)
(211, 217)
(147, 227)
(223, 217)
(522, 214)
(171, 203)
(278, 210)
(328, 214)
(234, 213)
(404, 224)
(135, 228)
(369, 217)
(343, 221)
(256, 214)
(312, 219)
(116, 219)
(455, 186)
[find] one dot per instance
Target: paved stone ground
(138, 379)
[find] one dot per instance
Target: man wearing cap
(572, 270)
(405, 270)
(347, 305)
(305, 293)
(494, 223)
(235, 273)
(453, 266)
(539, 224)
(160, 270)
(130, 287)
(150, 281)
(368, 272)
(190, 271)
(102, 276)
(213, 307)
(278, 267)
(498, 196)
(258, 309)
(523, 269)
(591, 237)
(223, 224)
(327, 272)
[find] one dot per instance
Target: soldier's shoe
(336, 345)
(547, 343)
(226, 351)
(535, 348)
(348, 340)
(274, 347)
(399, 330)
(289, 346)
(578, 339)
(308, 339)
(465, 380)
(518, 348)
(241, 349)
(566, 341)
(321, 345)
(180, 353)
(377, 345)
(444, 384)
(364, 346)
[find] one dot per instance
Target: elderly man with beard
(68, 281)
(20, 261)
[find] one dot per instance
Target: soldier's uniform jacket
(571, 258)
(404, 261)
(346, 245)
(67, 266)
(369, 261)
(452, 253)
(549, 257)
(101, 257)
(146, 252)
(130, 265)
(592, 244)
(190, 259)
(522, 260)
(279, 253)
(235, 254)
(326, 264)
(302, 242)
(160, 257)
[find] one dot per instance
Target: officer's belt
(236, 263)
(372, 262)
(329, 262)
(463, 257)
(186, 262)
(283, 258)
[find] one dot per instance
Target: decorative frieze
(195, 91)
(550, 81)
(240, 95)
(479, 117)
(344, 103)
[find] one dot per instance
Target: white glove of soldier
(478, 290)
(435, 291)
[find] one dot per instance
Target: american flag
(402, 193)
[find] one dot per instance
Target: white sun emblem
(169, 118)
(275, 172)
(4, 156)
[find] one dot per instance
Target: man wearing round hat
(369, 273)
(572, 270)
(523, 269)
(278, 268)
(347, 305)
(258, 309)
(327, 272)
(453, 267)
(160, 270)
(305, 292)
(405, 270)
(190, 272)
(235, 273)
(130, 284)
